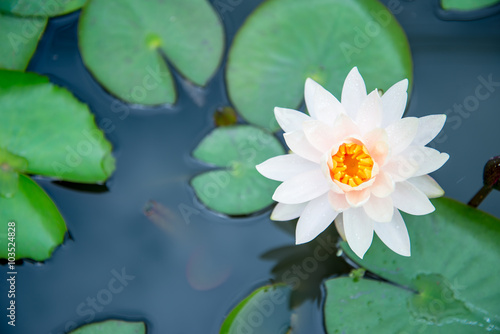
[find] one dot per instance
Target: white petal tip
(354, 72)
(310, 81)
(405, 83)
(259, 167)
(300, 241)
(406, 254)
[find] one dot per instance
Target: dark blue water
(184, 273)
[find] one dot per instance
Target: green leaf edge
(57, 242)
(43, 16)
(107, 163)
(82, 328)
(42, 32)
(228, 321)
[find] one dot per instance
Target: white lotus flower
(356, 162)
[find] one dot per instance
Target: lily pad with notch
(283, 42)
(235, 187)
(448, 285)
(122, 44)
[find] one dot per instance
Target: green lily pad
(448, 285)
(264, 311)
(19, 39)
(46, 125)
(39, 227)
(10, 166)
(236, 188)
(285, 41)
(112, 327)
(44, 8)
(467, 5)
(122, 45)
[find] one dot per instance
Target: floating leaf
(46, 125)
(122, 45)
(112, 327)
(44, 8)
(264, 311)
(467, 5)
(205, 271)
(10, 166)
(39, 225)
(285, 41)
(236, 188)
(19, 39)
(448, 285)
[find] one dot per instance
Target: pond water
(184, 268)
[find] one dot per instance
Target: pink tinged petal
(369, 115)
(383, 185)
(428, 128)
(284, 167)
(347, 188)
(298, 143)
(344, 128)
(321, 104)
(394, 234)
(357, 198)
(427, 185)
(302, 188)
(358, 229)
(325, 169)
(379, 209)
(401, 133)
(284, 212)
(315, 218)
(353, 92)
(376, 144)
(408, 198)
(338, 201)
(319, 135)
(394, 102)
(289, 119)
(339, 225)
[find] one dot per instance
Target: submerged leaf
(467, 5)
(112, 327)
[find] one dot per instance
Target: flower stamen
(352, 164)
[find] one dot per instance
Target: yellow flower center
(352, 164)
